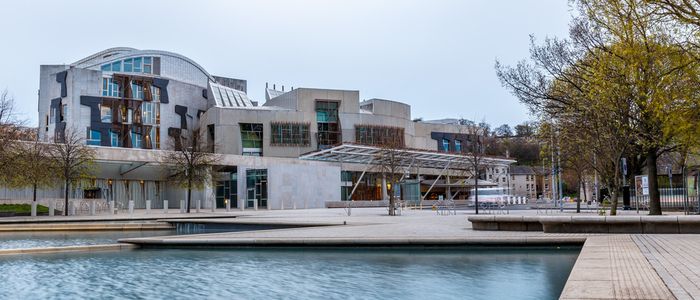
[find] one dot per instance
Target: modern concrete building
(131, 103)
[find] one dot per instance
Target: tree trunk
(654, 196)
(476, 192)
(189, 194)
(392, 208)
(65, 199)
(34, 193)
(613, 200)
(578, 199)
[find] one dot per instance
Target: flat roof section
(362, 154)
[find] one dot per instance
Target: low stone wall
(361, 203)
(506, 223)
(589, 224)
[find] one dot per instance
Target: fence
(671, 199)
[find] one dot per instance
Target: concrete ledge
(505, 223)
(65, 249)
(589, 224)
(86, 227)
(352, 242)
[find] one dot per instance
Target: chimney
(266, 85)
(273, 86)
(283, 88)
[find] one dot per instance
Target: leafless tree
(74, 160)
(476, 149)
(10, 132)
(390, 161)
(190, 162)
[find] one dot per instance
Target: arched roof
(118, 53)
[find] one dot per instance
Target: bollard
(131, 207)
(228, 205)
(294, 205)
(213, 205)
(73, 209)
(33, 208)
(282, 205)
(92, 207)
(183, 209)
(148, 206)
(255, 204)
(111, 207)
(241, 204)
(269, 207)
(165, 206)
(199, 205)
(52, 206)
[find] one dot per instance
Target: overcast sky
(437, 56)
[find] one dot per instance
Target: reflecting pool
(38, 239)
(429, 273)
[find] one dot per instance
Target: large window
(136, 140)
(458, 147)
(110, 88)
(94, 137)
(150, 111)
(328, 123)
(136, 91)
(289, 134)
(252, 139)
(105, 114)
(445, 145)
(155, 94)
(379, 135)
(114, 139)
(131, 65)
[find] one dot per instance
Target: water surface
(481, 273)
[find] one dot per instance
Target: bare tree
(74, 160)
(10, 132)
(476, 149)
(190, 162)
(390, 161)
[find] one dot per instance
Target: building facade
(130, 104)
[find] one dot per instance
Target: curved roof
(116, 53)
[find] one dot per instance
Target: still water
(469, 273)
(38, 239)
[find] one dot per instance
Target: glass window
(106, 114)
(137, 64)
(251, 139)
(379, 135)
(445, 145)
(149, 113)
(458, 146)
(290, 134)
(147, 65)
(136, 140)
(110, 88)
(105, 87)
(155, 92)
(114, 138)
(136, 91)
(117, 66)
(127, 65)
(64, 112)
(106, 68)
(94, 137)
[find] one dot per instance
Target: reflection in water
(481, 273)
